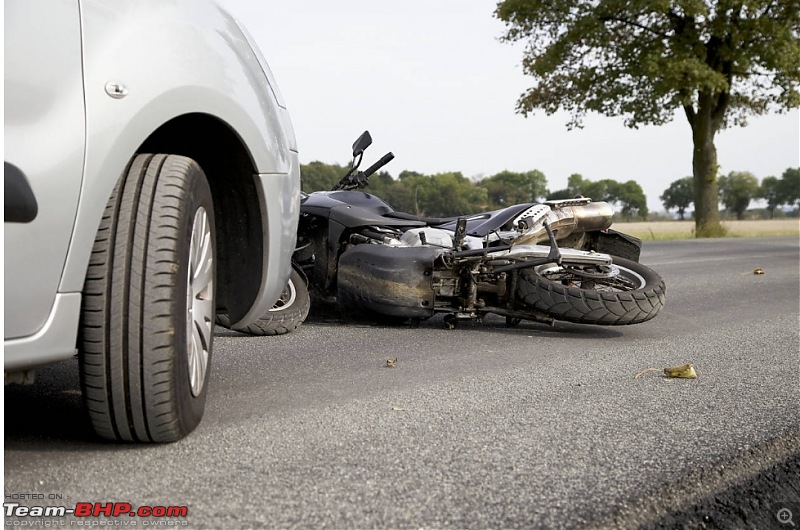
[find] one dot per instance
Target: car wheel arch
(231, 174)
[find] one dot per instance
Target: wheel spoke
(197, 236)
(192, 364)
(623, 280)
(202, 277)
(200, 352)
(203, 316)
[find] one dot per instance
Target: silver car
(151, 182)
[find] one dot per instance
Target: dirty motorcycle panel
(557, 260)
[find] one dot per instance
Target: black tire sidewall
(278, 321)
(572, 304)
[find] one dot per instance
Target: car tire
(286, 315)
(147, 321)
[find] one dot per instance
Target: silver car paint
(173, 57)
(44, 136)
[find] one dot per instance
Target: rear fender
(614, 243)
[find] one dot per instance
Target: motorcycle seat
(431, 221)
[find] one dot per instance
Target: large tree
(790, 186)
(507, 187)
(770, 191)
(737, 189)
(680, 195)
(318, 176)
(631, 199)
(718, 60)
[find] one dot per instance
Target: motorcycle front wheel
(628, 293)
(286, 315)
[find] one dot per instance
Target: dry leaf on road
(684, 371)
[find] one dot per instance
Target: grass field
(685, 229)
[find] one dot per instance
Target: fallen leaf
(684, 371)
(391, 363)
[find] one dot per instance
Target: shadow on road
(333, 315)
(49, 413)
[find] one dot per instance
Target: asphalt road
(479, 427)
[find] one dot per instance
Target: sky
(432, 83)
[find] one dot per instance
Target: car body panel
(52, 342)
(170, 58)
(125, 43)
(44, 138)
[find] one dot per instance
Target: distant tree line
(450, 194)
(736, 190)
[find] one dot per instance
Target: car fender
(132, 50)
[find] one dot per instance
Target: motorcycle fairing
(394, 281)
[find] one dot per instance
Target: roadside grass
(663, 230)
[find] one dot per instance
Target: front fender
(173, 57)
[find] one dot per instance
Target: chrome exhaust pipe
(566, 220)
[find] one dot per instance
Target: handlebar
(361, 179)
(385, 159)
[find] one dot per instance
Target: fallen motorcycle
(558, 260)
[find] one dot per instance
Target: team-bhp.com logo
(94, 509)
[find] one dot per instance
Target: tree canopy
(770, 192)
(507, 188)
(451, 193)
(736, 190)
(717, 60)
(627, 196)
(680, 195)
(790, 186)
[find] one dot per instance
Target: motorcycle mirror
(363, 141)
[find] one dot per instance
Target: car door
(45, 139)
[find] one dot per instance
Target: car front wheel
(148, 306)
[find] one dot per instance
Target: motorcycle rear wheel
(636, 294)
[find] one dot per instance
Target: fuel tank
(351, 209)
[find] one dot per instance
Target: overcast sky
(432, 83)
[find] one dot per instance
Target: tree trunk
(704, 168)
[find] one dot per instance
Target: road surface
(479, 427)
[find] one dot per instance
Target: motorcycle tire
(635, 295)
(286, 315)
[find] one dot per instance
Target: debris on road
(684, 371)
(391, 363)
